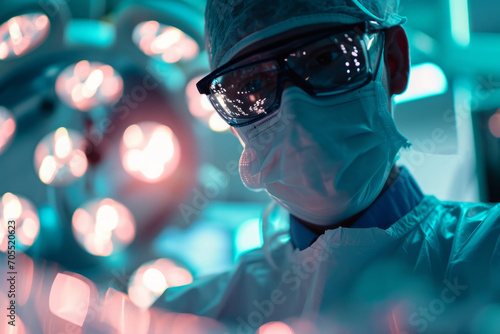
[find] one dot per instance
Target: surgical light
(150, 151)
(7, 128)
(103, 227)
(165, 42)
(26, 222)
(22, 34)
(426, 80)
(153, 278)
(201, 108)
(86, 85)
(60, 157)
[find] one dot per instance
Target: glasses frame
(284, 72)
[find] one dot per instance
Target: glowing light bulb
(86, 85)
(150, 280)
(150, 151)
(164, 42)
(60, 157)
(22, 34)
(18, 212)
(103, 227)
(7, 126)
(201, 108)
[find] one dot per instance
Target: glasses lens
(332, 64)
(245, 93)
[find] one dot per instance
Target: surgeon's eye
(252, 86)
(326, 58)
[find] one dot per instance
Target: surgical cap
(232, 25)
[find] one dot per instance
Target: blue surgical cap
(232, 25)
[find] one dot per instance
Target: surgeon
(307, 86)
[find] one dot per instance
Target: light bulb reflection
(7, 128)
(153, 278)
(150, 151)
(60, 157)
(165, 42)
(22, 34)
(201, 108)
(103, 227)
(86, 85)
(25, 217)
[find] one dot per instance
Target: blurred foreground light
(103, 227)
(425, 80)
(60, 157)
(275, 327)
(69, 298)
(248, 237)
(7, 128)
(168, 43)
(153, 278)
(27, 224)
(22, 34)
(87, 85)
(122, 315)
(150, 151)
(494, 124)
(201, 108)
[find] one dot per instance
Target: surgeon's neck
(320, 229)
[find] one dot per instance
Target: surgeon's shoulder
(464, 221)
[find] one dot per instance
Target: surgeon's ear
(397, 59)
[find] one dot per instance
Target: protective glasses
(327, 63)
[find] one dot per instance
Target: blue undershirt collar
(395, 202)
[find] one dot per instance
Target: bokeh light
(27, 224)
(69, 298)
(60, 157)
(275, 327)
(7, 128)
(153, 278)
(22, 34)
(494, 124)
(103, 227)
(165, 42)
(150, 151)
(201, 108)
(86, 85)
(123, 315)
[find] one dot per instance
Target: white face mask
(324, 159)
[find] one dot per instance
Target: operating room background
(111, 161)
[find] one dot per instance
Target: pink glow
(86, 85)
(494, 124)
(26, 219)
(7, 127)
(165, 42)
(60, 158)
(150, 151)
(22, 34)
(122, 315)
(275, 327)
(69, 299)
(103, 227)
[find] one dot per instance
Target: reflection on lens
(150, 151)
(87, 85)
(60, 157)
(201, 108)
(153, 278)
(165, 42)
(23, 213)
(7, 128)
(22, 34)
(103, 227)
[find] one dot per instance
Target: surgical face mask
(324, 159)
